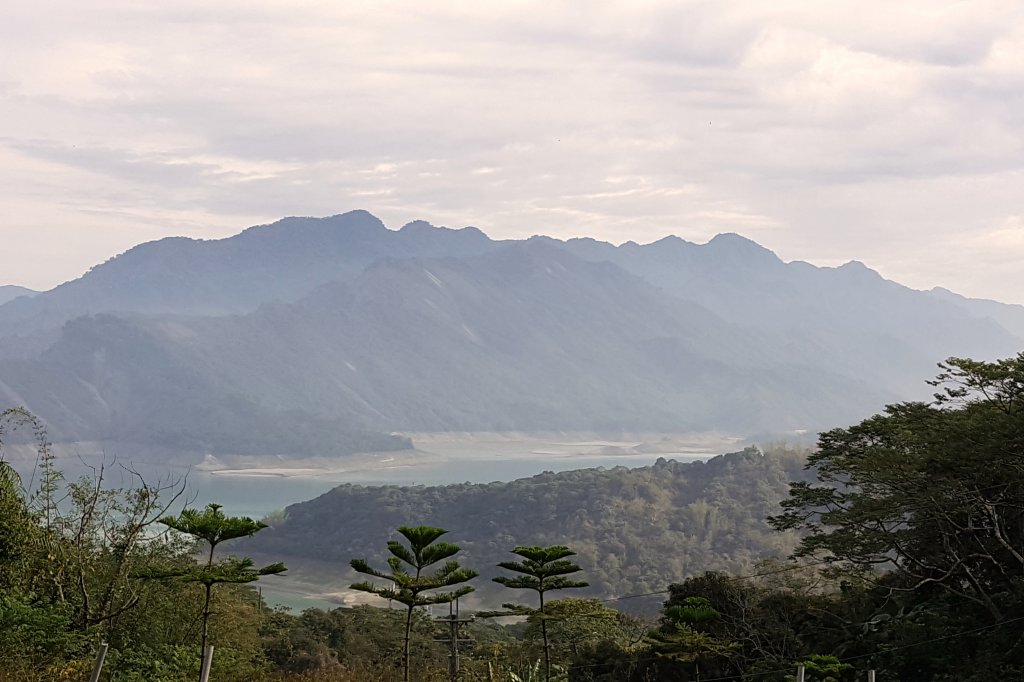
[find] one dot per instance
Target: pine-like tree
(410, 579)
(213, 527)
(542, 569)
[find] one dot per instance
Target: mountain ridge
(634, 529)
(9, 292)
(352, 329)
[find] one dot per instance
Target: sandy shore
(314, 467)
(433, 449)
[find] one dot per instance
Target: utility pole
(800, 674)
(207, 663)
(98, 668)
(871, 676)
(454, 624)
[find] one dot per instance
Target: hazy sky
(887, 132)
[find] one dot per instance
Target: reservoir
(257, 489)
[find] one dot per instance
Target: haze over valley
(512, 341)
(326, 337)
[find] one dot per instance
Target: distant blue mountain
(9, 293)
(323, 335)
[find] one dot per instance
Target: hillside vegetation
(634, 530)
(905, 537)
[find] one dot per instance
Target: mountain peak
(358, 220)
(735, 241)
(736, 245)
(671, 239)
(859, 269)
(419, 226)
(424, 227)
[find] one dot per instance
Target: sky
(886, 132)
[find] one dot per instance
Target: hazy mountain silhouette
(9, 293)
(278, 262)
(316, 335)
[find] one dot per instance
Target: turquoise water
(257, 496)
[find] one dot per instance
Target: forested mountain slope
(635, 530)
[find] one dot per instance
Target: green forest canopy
(909, 526)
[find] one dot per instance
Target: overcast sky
(886, 132)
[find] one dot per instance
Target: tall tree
(213, 527)
(543, 569)
(576, 625)
(107, 533)
(17, 527)
(410, 579)
(685, 635)
(933, 491)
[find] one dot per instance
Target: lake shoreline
(261, 486)
(431, 450)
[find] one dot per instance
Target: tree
(213, 527)
(576, 625)
(20, 530)
(17, 528)
(410, 585)
(933, 491)
(107, 535)
(684, 635)
(542, 570)
(823, 668)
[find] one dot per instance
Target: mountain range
(327, 336)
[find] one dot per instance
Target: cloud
(827, 131)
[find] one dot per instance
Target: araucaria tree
(411, 578)
(542, 569)
(213, 527)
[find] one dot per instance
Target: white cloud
(830, 131)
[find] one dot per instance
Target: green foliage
(634, 530)
(542, 570)
(21, 534)
(685, 635)
(919, 513)
(575, 626)
(532, 673)
(410, 588)
(213, 527)
(824, 668)
(17, 528)
(37, 633)
(933, 491)
(410, 583)
(361, 639)
(169, 663)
